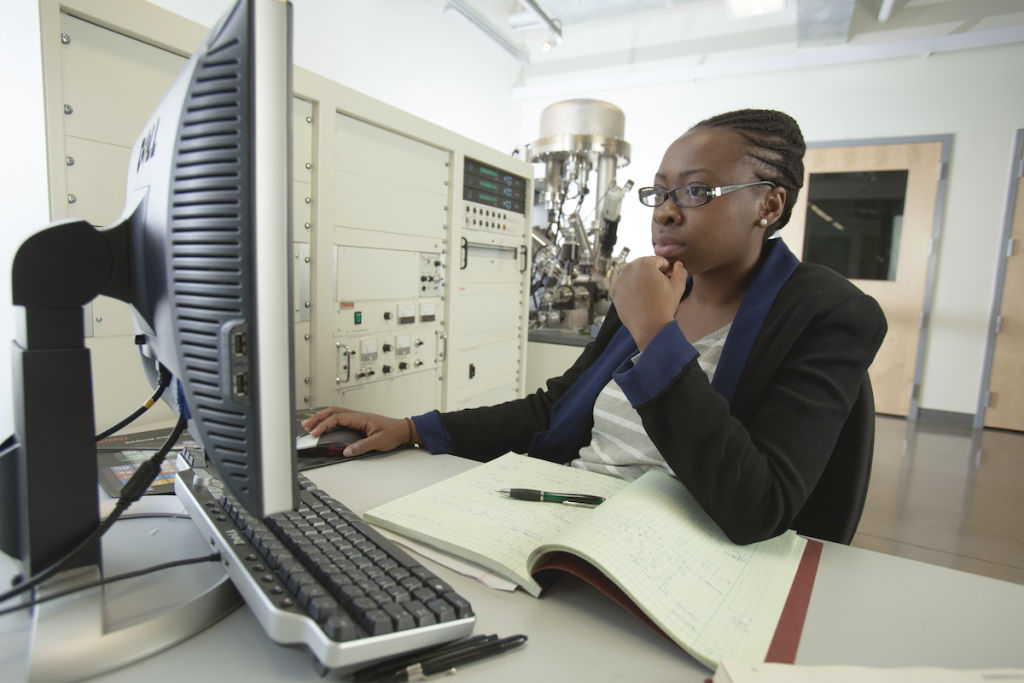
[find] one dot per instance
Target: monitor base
(101, 629)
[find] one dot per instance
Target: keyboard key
(424, 594)
(399, 594)
(442, 610)
(299, 579)
(323, 608)
(460, 604)
(379, 597)
(420, 613)
(377, 622)
(341, 628)
(410, 583)
(361, 606)
(308, 592)
(400, 617)
(437, 585)
(349, 592)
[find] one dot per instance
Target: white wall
(23, 180)
(410, 54)
(972, 94)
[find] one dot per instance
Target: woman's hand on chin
(646, 294)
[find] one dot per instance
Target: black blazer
(753, 464)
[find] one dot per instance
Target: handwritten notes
(716, 599)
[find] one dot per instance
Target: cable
(163, 381)
(132, 491)
(215, 557)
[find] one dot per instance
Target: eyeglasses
(690, 195)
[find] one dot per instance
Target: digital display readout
(493, 187)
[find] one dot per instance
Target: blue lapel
(778, 266)
(571, 414)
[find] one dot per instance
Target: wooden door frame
(933, 252)
(1016, 170)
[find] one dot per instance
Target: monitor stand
(105, 628)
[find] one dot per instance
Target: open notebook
(650, 539)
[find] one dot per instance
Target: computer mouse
(334, 438)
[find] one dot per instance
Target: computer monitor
(202, 253)
(211, 251)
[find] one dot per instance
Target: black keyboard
(321, 577)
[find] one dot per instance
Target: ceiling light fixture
(482, 24)
(554, 39)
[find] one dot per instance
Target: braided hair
(777, 147)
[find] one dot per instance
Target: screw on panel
(307, 226)
(306, 399)
(99, 320)
(307, 380)
(307, 337)
(307, 259)
(309, 119)
(308, 200)
(72, 199)
(65, 38)
(70, 161)
(309, 165)
(68, 109)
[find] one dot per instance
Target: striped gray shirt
(619, 443)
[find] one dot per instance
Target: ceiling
(625, 42)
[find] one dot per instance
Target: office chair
(833, 510)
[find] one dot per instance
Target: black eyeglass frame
(709, 193)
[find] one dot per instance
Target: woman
(723, 360)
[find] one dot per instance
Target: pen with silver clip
(446, 663)
(574, 499)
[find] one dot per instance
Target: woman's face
(724, 232)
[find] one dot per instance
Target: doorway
(871, 212)
(1001, 404)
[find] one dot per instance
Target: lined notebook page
(465, 516)
(716, 599)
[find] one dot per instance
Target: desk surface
(866, 608)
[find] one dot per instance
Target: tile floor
(947, 495)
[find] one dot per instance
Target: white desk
(866, 608)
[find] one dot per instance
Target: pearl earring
(764, 222)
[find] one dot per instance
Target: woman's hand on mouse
(646, 294)
(382, 433)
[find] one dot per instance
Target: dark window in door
(854, 222)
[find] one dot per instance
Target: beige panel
(1006, 405)
(493, 396)
(355, 265)
(545, 361)
(302, 140)
(302, 377)
(494, 312)
(302, 298)
(97, 179)
(112, 82)
(119, 384)
(113, 318)
(481, 368)
(402, 162)
(301, 211)
(366, 203)
(407, 394)
(902, 300)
